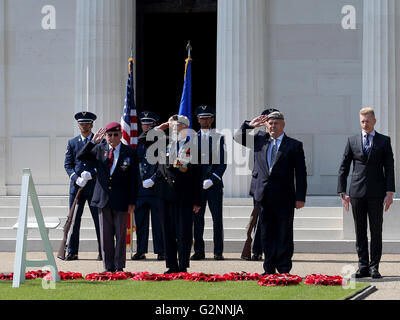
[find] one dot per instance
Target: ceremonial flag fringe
(129, 127)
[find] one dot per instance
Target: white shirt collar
(372, 133)
(116, 148)
(279, 139)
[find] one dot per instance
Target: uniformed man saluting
(82, 175)
(178, 184)
(115, 192)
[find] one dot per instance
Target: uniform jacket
(146, 170)
(173, 185)
(373, 174)
(214, 167)
(74, 167)
(119, 190)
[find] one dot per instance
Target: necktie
(367, 146)
(111, 159)
(85, 141)
(273, 153)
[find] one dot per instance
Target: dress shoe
(182, 269)
(138, 256)
(71, 257)
(362, 273)
(160, 257)
(172, 270)
(99, 257)
(375, 274)
(267, 273)
(245, 258)
(198, 256)
(218, 257)
(256, 257)
(119, 270)
(108, 270)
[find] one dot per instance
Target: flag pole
(189, 49)
(87, 88)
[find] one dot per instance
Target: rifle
(246, 253)
(67, 226)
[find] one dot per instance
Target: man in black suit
(178, 184)
(82, 175)
(371, 189)
(115, 192)
(278, 185)
(211, 158)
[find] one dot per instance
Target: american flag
(129, 123)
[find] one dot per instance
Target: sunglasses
(116, 134)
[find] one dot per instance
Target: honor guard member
(147, 198)
(115, 191)
(178, 185)
(82, 175)
(211, 158)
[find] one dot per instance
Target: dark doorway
(162, 37)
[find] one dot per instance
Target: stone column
(3, 127)
(105, 32)
(381, 68)
(240, 77)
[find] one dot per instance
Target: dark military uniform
(179, 189)
(147, 199)
(211, 157)
(74, 168)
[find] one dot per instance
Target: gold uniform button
(109, 188)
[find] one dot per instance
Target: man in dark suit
(211, 157)
(82, 175)
(178, 184)
(278, 185)
(115, 191)
(371, 189)
(147, 198)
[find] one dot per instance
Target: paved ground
(303, 264)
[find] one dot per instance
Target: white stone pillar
(381, 68)
(240, 75)
(3, 126)
(105, 32)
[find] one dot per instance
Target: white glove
(81, 182)
(207, 184)
(148, 183)
(86, 175)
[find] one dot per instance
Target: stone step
(228, 211)
(229, 233)
(230, 246)
(299, 222)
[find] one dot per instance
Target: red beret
(113, 126)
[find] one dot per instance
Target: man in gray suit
(371, 189)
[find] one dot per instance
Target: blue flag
(185, 108)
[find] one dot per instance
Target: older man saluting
(279, 185)
(115, 191)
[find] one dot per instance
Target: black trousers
(142, 217)
(177, 229)
(73, 245)
(371, 209)
(214, 198)
(277, 234)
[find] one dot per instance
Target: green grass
(170, 290)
